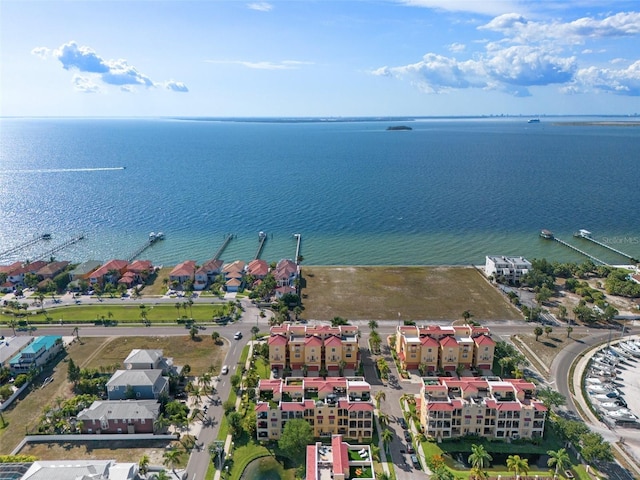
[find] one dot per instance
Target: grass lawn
(417, 293)
(547, 347)
(360, 472)
(157, 287)
(262, 367)
(122, 313)
(200, 353)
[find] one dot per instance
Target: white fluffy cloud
(111, 72)
(260, 6)
(265, 65)
(176, 86)
(529, 54)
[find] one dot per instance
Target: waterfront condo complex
(488, 407)
(331, 406)
(437, 348)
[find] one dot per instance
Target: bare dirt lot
(416, 293)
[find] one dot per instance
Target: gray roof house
(119, 416)
(140, 359)
(145, 384)
(81, 469)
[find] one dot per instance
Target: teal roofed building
(36, 354)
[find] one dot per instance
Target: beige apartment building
(314, 350)
(335, 406)
(444, 348)
(488, 406)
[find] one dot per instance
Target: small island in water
(399, 127)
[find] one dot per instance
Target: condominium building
(486, 406)
(511, 268)
(444, 348)
(335, 406)
(315, 350)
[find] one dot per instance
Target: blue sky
(319, 58)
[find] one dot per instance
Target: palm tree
(143, 464)
(551, 398)
(559, 458)
(569, 330)
(255, 330)
(205, 381)
(172, 458)
(383, 476)
(215, 336)
(537, 332)
(162, 475)
(479, 457)
(373, 325)
(383, 418)
(466, 315)
(387, 438)
(503, 362)
(379, 396)
(517, 464)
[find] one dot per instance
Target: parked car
(403, 423)
(225, 370)
(410, 448)
(407, 436)
(415, 461)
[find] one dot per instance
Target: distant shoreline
(604, 123)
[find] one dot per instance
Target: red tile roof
(428, 342)
(332, 340)
(340, 455)
(448, 342)
(258, 267)
(439, 407)
(118, 265)
(184, 269)
(10, 268)
(484, 340)
(139, 266)
(313, 340)
(508, 406)
(312, 464)
(277, 340)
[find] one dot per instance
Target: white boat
(605, 397)
(631, 348)
(619, 351)
(624, 414)
(595, 389)
(593, 381)
(610, 406)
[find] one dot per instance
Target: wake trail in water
(64, 170)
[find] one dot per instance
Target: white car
(224, 370)
(237, 336)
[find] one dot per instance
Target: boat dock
(25, 244)
(299, 238)
(153, 238)
(576, 249)
(262, 238)
(49, 253)
(227, 239)
(586, 234)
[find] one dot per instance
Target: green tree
(550, 398)
(215, 336)
(517, 464)
(161, 475)
(548, 330)
(479, 457)
(297, 434)
(143, 464)
(537, 332)
(234, 419)
(373, 325)
(172, 458)
(73, 373)
(387, 438)
(559, 458)
(569, 330)
(379, 396)
(193, 332)
(255, 330)
(562, 312)
(466, 315)
(594, 448)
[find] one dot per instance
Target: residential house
(488, 407)
(36, 354)
(108, 272)
(141, 359)
(510, 268)
(233, 274)
(258, 268)
(119, 416)
(206, 274)
(140, 269)
(8, 286)
(183, 272)
(337, 405)
(444, 348)
(81, 469)
(82, 271)
(286, 273)
(339, 461)
(17, 276)
(138, 384)
(52, 269)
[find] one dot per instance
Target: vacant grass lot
(92, 352)
(416, 293)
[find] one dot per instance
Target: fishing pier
(226, 241)
(262, 238)
(153, 238)
(49, 253)
(586, 234)
(550, 236)
(298, 237)
(26, 244)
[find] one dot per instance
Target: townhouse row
(437, 348)
(335, 406)
(319, 350)
(485, 406)
(16, 275)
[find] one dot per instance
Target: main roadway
(199, 460)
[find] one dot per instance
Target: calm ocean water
(447, 192)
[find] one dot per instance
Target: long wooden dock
(23, 245)
(49, 253)
(262, 237)
(227, 239)
(604, 245)
(298, 236)
(595, 259)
